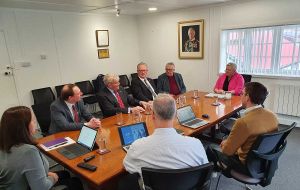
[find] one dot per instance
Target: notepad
(54, 143)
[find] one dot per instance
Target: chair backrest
(133, 75)
(247, 78)
(86, 87)
(58, 90)
(178, 179)
(124, 81)
(155, 82)
(43, 95)
(43, 116)
(98, 83)
(262, 159)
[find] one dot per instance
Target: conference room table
(110, 165)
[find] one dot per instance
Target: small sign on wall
(103, 53)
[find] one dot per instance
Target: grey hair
(141, 63)
(109, 78)
(232, 65)
(164, 106)
(171, 64)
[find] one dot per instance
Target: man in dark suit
(143, 88)
(114, 99)
(69, 113)
(171, 82)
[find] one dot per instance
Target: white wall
(158, 37)
(69, 43)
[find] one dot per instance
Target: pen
(58, 145)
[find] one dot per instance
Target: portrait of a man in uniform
(190, 39)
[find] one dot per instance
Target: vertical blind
(269, 51)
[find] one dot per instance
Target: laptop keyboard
(76, 149)
(193, 122)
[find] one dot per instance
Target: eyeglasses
(170, 69)
(142, 70)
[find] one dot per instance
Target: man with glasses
(171, 82)
(114, 99)
(142, 87)
(256, 121)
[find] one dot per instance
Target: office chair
(58, 89)
(124, 82)
(178, 179)
(43, 95)
(262, 159)
(155, 82)
(98, 83)
(133, 75)
(43, 116)
(247, 78)
(88, 92)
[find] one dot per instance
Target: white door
(8, 93)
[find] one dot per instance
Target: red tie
(121, 104)
(75, 114)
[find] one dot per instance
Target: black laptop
(187, 118)
(130, 133)
(84, 144)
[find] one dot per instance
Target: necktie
(121, 104)
(149, 88)
(75, 114)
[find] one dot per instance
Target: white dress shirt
(164, 149)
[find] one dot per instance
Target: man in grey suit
(69, 113)
(171, 82)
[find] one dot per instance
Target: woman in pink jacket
(230, 81)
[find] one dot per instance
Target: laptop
(187, 118)
(84, 144)
(130, 133)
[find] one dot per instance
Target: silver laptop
(84, 144)
(130, 133)
(187, 118)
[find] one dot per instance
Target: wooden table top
(111, 164)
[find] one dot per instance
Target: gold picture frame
(102, 38)
(103, 53)
(191, 39)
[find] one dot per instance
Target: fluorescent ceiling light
(152, 9)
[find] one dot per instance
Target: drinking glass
(119, 118)
(195, 94)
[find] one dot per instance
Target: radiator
(287, 100)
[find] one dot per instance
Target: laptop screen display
(185, 114)
(87, 137)
(130, 133)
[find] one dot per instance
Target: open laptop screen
(185, 114)
(130, 133)
(87, 137)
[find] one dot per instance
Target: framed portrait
(102, 38)
(191, 39)
(103, 53)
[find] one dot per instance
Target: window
(269, 51)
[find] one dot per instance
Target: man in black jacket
(142, 87)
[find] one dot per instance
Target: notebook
(83, 145)
(55, 143)
(130, 133)
(187, 118)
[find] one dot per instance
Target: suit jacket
(109, 104)
(140, 90)
(61, 116)
(164, 86)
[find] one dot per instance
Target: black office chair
(43, 95)
(124, 82)
(133, 75)
(247, 78)
(58, 89)
(98, 83)
(43, 116)
(88, 92)
(178, 179)
(155, 82)
(262, 159)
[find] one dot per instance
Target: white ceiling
(128, 7)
